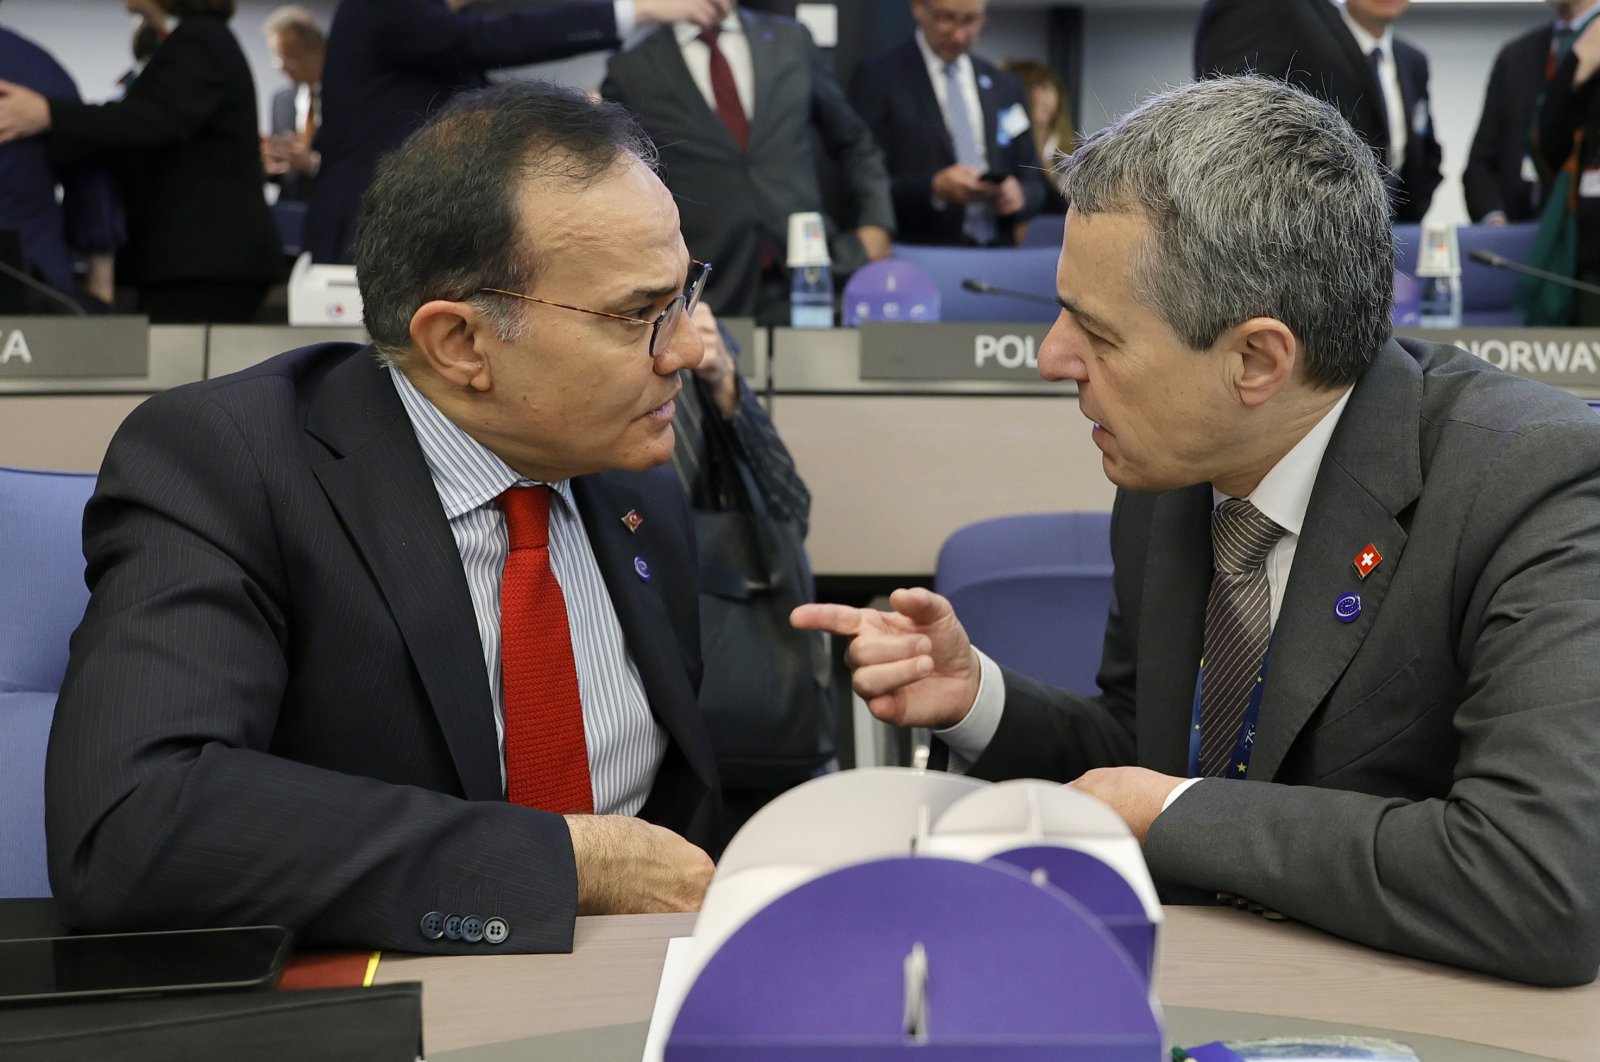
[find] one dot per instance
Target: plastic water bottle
(811, 297)
(1441, 302)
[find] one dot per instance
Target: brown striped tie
(1238, 628)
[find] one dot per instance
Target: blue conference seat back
(1033, 592)
(1486, 292)
(1045, 230)
(1030, 269)
(42, 598)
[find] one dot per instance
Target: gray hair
(1264, 203)
(294, 21)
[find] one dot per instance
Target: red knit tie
(729, 107)
(547, 762)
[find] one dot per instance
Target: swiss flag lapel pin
(1367, 560)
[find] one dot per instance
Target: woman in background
(183, 145)
(1051, 115)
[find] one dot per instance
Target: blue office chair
(42, 598)
(1045, 230)
(1033, 592)
(1030, 269)
(1486, 292)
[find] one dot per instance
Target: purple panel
(1102, 891)
(891, 290)
(1009, 964)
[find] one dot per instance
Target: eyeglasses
(663, 327)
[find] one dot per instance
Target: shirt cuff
(968, 738)
(1178, 791)
(626, 21)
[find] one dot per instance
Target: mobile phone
(994, 177)
(43, 969)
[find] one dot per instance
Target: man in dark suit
(1352, 667)
(325, 679)
(300, 47)
(391, 63)
(1347, 54)
(736, 113)
(954, 130)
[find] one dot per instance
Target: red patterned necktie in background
(729, 107)
(547, 762)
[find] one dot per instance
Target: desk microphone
(1500, 261)
(983, 287)
(43, 289)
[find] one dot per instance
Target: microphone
(983, 287)
(43, 289)
(1500, 261)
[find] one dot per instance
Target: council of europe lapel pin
(631, 520)
(1367, 560)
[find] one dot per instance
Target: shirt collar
(1365, 40)
(1284, 493)
(688, 31)
(1577, 25)
(935, 64)
(467, 474)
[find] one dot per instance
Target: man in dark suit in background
(1347, 54)
(954, 130)
(287, 155)
(1501, 178)
(325, 679)
(735, 113)
(391, 63)
(1405, 534)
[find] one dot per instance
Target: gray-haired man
(1378, 715)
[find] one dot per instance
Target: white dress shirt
(734, 46)
(969, 82)
(625, 744)
(1283, 494)
(1394, 100)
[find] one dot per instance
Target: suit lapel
(915, 76)
(1358, 68)
(1177, 579)
(765, 59)
(647, 625)
(1372, 472)
(672, 78)
(984, 76)
(378, 483)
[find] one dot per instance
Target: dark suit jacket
(1306, 43)
(731, 203)
(292, 186)
(894, 95)
(185, 146)
(1425, 779)
(1565, 114)
(391, 63)
(1492, 178)
(276, 709)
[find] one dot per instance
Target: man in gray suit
(1386, 554)
(735, 111)
(299, 45)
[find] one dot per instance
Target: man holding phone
(973, 185)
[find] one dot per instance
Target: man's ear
(449, 337)
(1263, 356)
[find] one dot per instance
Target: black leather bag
(766, 694)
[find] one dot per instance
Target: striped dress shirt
(626, 745)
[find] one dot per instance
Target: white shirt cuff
(626, 22)
(1178, 791)
(968, 738)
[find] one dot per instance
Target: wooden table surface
(1213, 958)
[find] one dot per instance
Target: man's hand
(1587, 49)
(702, 13)
(284, 153)
(1133, 792)
(960, 185)
(913, 666)
(716, 367)
(629, 866)
(1009, 198)
(23, 112)
(877, 242)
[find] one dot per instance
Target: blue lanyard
(1245, 742)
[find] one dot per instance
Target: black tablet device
(126, 964)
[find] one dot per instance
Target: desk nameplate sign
(1568, 358)
(74, 347)
(1006, 352)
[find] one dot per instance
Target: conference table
(1222, 973)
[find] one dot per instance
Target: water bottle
(811, 297)
(1441, 302)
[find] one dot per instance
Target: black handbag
(767, 694)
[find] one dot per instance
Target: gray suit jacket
(292, 186)
(1425, 779)
(731, 203)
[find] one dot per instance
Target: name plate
(58, 347)
(1562, 357)
(957, 351)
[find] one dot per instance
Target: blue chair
(1033, 592)
(1045, 230)
(290, 217)
(42, 598)
(1030, 269)
(1486, 292)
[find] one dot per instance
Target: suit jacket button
(452, 927)
(433, 925)
(496, 930)
(472, 929)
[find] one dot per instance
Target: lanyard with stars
(1244, 744)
